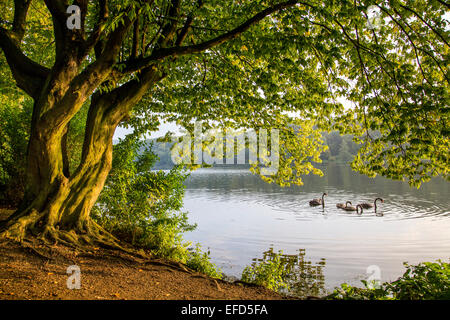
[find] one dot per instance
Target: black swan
(367, 205)
(318, 202)
(352, 208)
(342, 206)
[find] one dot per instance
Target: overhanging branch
(28, 74)
(20, 15)
(162, 53)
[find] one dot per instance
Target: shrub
(200, 261)
(289, 274)
(14, 119)
(425, 281)
(268, 273)
(143, 206)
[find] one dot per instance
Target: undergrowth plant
(425, 281)
(290, 274)
(144, 207)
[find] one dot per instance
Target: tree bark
(57, 206)
(57, 203)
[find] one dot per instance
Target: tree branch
(162, 53)
(58, 11)
(187, 26)
(94, 37)
(425, 22)
(136, 38)
(83, 84)
(28, 74)
(20, 15)
(111, 108)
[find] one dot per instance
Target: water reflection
(303, 278)
(341, 184)
(239, 217)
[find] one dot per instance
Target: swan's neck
(375, 203)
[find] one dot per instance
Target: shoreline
(34, 271)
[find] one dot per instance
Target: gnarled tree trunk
(57, 203)
(57, 206)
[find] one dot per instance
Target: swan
(318, 202)
(352, 208)
(342, 206)
(349, 208)
(359, 207)
(367, 205)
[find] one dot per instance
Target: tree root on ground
(83, 238)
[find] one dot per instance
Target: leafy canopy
(308, 65)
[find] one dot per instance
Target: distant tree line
(341, 149)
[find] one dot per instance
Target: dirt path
(41, 273)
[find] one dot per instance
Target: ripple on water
(395, 207)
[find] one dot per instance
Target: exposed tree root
(16, 229)
(35, 252)
(83, 238)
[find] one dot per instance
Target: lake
(240, 217)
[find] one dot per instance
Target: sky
(163, 129)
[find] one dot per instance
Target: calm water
(240, 217)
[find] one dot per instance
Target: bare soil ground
(33, 271)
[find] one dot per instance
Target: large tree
(236, 63)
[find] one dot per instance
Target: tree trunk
(57, 206)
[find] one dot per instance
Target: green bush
(290, 274)
(15, 117)
(425, 281)
(143, 206)
(200, 261)
(269, 273)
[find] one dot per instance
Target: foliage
(143, 207)
(321, 66)
(299, 65)
(425, 281)
(290, 274)
(14, 132)
(337, 148)
(139, 200)
(198, 260)
(268, 273)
